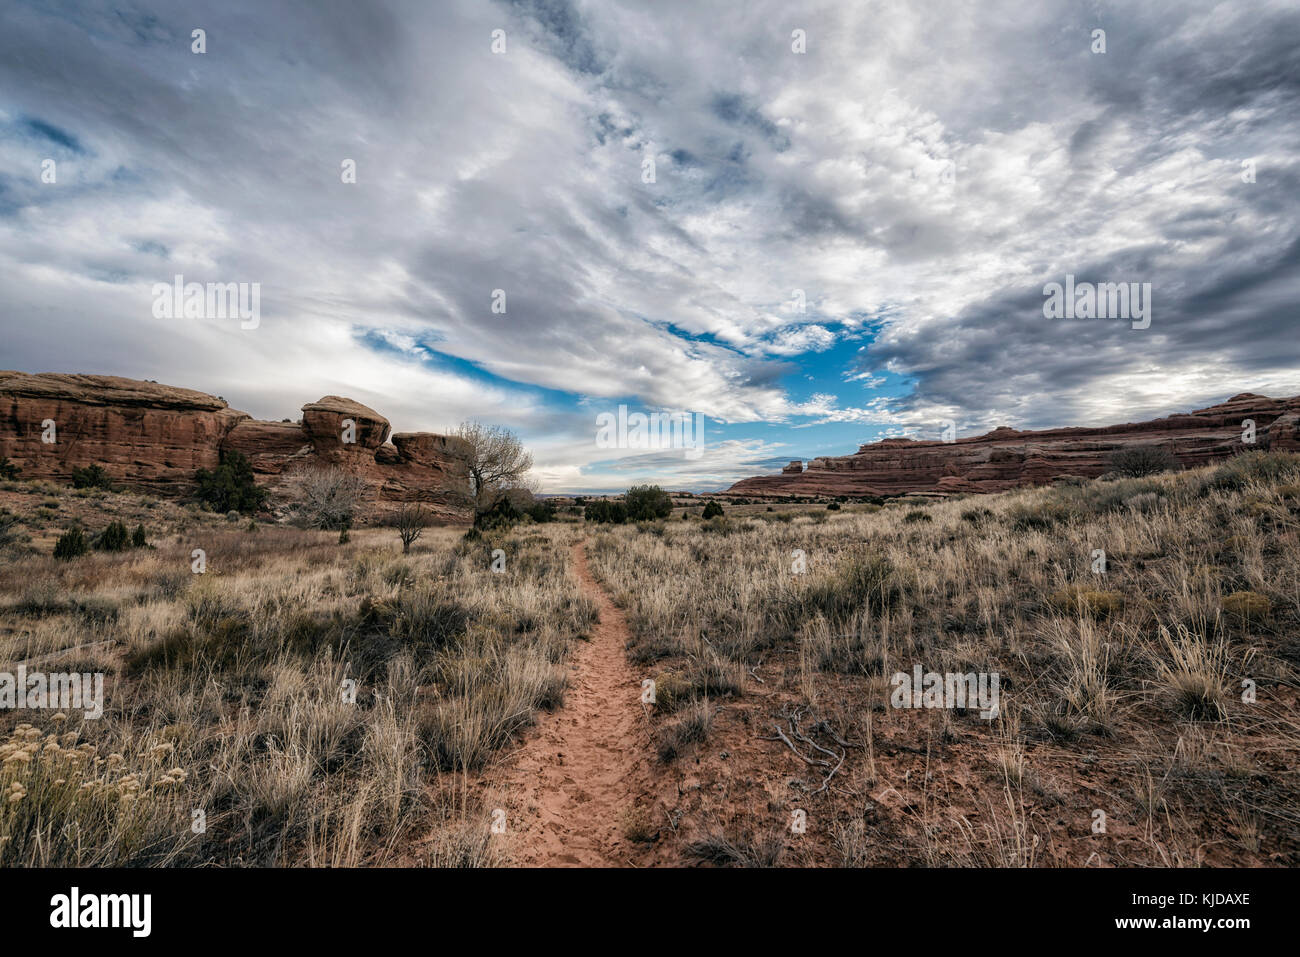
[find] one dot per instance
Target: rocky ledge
(154, 437)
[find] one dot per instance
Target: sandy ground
(568, 786)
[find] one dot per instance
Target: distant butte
(1006, 458)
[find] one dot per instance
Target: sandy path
(567, 786)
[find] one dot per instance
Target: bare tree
(1140, 460)
(410, 522)
(497, 462)
(327, 498)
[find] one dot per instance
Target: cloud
(919, 173)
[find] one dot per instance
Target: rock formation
(154, 438)
(1006, 458)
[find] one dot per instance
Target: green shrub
(502, 514)
(8, 527)
(712, 510)
(138, 539)
(230, 488)
(114, 538)
(603, 510)
(541, 511)
(8, 470)
(645, 503)
(833, 507)
(71, 544)
(916, 515)
(92, 476)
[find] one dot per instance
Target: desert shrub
(1098, 498)
(857, 582)
(637, 824)
(1253, 467)
(646, 503)
(114, 538)
(138, 538)
(92, 476)
(1194, 672)
(425, 617)
(717, 847)
(8, 470)
(1041, 516)
(71, 544)
(1247, 606)
(410, 522)
(671, 690)
(230, 487)
(833, 507)
(916, 515)
(715, 677)
(489, 695)
(713, 510)
(1081, 600)
(69, 804)
(605, 511)
(502, 514)
(541, 511)
(8, 527)
(1141, 460)
(691, 726)
(976, 516)
(327, 498)
(845, 653)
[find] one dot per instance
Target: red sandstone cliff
(1006, 458)
(154, 437)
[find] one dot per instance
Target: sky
(812, 224)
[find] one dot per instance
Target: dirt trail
(568, 785)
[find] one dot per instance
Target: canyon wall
(1006, 458)
(153, 438)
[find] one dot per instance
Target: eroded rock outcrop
(1006, 458)
(154, 437)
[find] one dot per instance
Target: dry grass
(1105, 677)
(225, 695)
(1161, 693)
